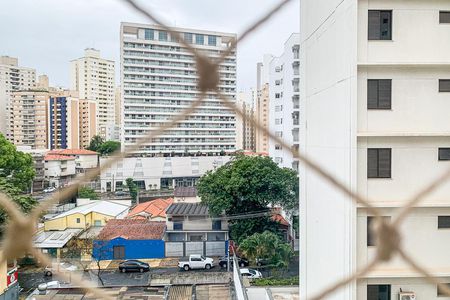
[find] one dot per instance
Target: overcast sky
(47, 34)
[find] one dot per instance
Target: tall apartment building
(159, 80)
(284, 94)
(28, 124)
(374, 111)
(12, 78)
(245, 131)
(93, 78)
(262, 117)
(71, 122)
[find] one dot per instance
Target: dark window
(178, 226)
(78, 220)
(380, 24)
(443, 221)
(444, 85)
(444, 17)
(379, 93)
(371, 237)
(196, 259)
(217, 225)
(379, 292)
(379, 163)
(444, 153)
(440, 292)
(149, 34)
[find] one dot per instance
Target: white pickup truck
(195, 261)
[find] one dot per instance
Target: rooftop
(103, 207)
(185, 191)
(73, 152)
(133, 229)
(54, 239)
(154, 208)
(58, 157)
(187, 209)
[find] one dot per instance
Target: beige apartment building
(28, 124)
(87, 121)
(94, 79)
(12, 78)
(374, 111)
(262, 116)
(245, 131)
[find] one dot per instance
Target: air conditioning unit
(406, 296)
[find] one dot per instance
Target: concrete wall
(177, 249)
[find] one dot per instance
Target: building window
(149, 34)
(217, 225)
(371, 238)
(444, 17)
(97, 223)
(212, 40)
(279, 133)
(440, 292)
(278, 147)
(379, 93)
(443, 222)
(444, 153)
(278, 121)
(163, 36)
(379, 163)
(188, 37)
(199, 39)
(277, 95)
(178, 226)
(380, 24)
(378, 292)
(444, 85)
(78, 220)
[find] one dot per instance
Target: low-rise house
(187, 194)
(130, 239)
(154, 210)
(191, 230)
(59, 170)
(85, 160)
(95, 213)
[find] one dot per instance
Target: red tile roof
(58, 157)
(279, 218)
(155, 208)
(131, 229)
(73, 152)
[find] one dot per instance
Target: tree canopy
(17, 167)
(133, 188)
(87, 192)
(245, 185)
(269, 246)
(98, 144)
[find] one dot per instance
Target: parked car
(250, 273)
(195, 261)
(49, 189)
(133, 265)
(262, 262)
(224, 261)
(120, 193)
(63, 267)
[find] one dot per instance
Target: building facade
(245, 135)
(159, 80)
(87, 122)
(28, 126)
(12, 78)
(374, 108)
(59, 169)
(94, 79)
(284, 93)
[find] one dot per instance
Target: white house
(59, 170)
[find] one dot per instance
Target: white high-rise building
(12, 78)
(93, 78)
(374, 111)
(159, 80)
(284, 96)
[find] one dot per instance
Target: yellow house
(96, 213)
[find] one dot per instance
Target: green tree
(95, 143)
(248, 185)
(87, 192)
(267, 245)
(133, 188)
(17, 167)
(109, 147)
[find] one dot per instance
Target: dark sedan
(224, 261)
(133, 266)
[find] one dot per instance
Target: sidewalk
(154, 263)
